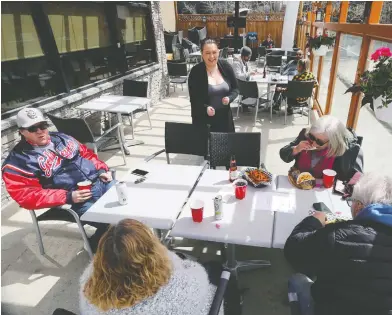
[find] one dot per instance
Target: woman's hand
(225, 100)
(210, 111)
(303, 145)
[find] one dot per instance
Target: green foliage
(318, 41)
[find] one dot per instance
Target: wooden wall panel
(217, 28)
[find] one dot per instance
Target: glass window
(135, 34)
(82, 37)
(386, 13)
(25, 74)
(350, 47)
(377, 144)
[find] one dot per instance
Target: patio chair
(224, 53)
(261, 52)
(298, 89)
(291, 53)
(290, 58)
(80, 130)
(249, 96)
(277, 52)
(273, 63)
(178, 73)
(244, 145)
(138, 89)
(61, 213)
(183, 138)
(224, 42)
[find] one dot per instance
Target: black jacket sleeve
(286, 153)
(198, 110)
(307, 246)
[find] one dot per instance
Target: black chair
(61, 213)
(277, 52)
(61, 311)
(178, 73)
(298, 89)
(273, 63)
(244, 145)
(80, 130)
(261, 52)
(291, 53)
(249, 96)
(138, 89)
(290, 58)
(224, 42)
(184, 138)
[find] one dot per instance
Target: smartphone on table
(320, 206)
(139, 172)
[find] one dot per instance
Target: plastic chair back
(297, 89)
(244, 145)
(135, 88)
(177, 69)
(74, 127)
(248, 88)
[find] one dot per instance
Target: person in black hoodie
(351, 260)
(212, 87)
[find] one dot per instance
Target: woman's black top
(200, 98)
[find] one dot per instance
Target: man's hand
(225, 100)
(321, 217)
(106, 177)
(79, 196)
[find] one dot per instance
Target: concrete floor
(33, 284)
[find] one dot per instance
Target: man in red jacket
(44, 168)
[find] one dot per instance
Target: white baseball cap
(28, 117)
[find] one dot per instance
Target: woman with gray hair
(350, 260)
(327, 144)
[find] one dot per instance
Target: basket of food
(257, 177)
(303, 180)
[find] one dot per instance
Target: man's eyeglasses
(34, 128)
(314, 139)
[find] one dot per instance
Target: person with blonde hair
(133, 273)
(327, 144)
(350, 260)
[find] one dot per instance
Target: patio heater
(237, 15)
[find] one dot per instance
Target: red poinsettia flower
(385, 51)
(381, 52)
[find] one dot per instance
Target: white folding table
(304, 199)
(119, 105)
(245, 222)
(156, 202)
(268, 80)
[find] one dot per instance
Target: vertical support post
(356, 99)
(343, 12)
(236, 14)
(319, 78)
(333, 73)
(375, 12)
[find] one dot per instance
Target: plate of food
(257, 177)
(303, 180)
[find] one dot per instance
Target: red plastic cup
(328, 178)
(86, 185)
(240, 188)
(197, 207)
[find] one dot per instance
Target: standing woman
(212, 87)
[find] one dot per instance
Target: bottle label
(233, 175)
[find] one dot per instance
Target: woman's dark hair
(208, 41)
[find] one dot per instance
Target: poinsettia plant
(377, 82)
(319, 40)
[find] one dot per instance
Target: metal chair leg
(82, 231)
(285, 112)
(121, 145)
(167, 158)
(95, 148)
(37, 232)
(133, 128)
(257, 110)
(238, 108)
(148, 115)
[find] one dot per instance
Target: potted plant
(320, 44)
(376, 85)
